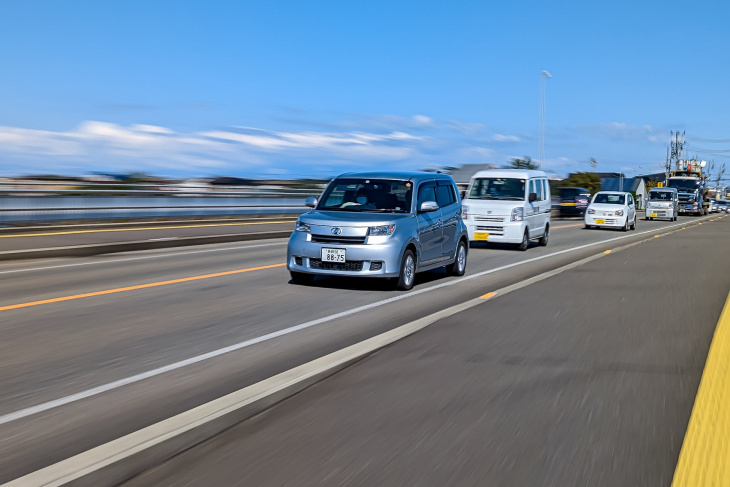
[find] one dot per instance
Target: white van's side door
(532, 209)
(546, 204)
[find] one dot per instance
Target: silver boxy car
(389, 225)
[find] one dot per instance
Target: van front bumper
(505, 232)
(660, 213)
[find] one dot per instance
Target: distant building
(632, 185)
(462, 175)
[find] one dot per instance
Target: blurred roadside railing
(22, 202)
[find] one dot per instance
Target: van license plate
(481, 236)
(333, 255)
(652, 215)
(600, 221)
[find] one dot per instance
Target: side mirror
(532, 197)
(428, 207)
(462, 193)
(310, 202)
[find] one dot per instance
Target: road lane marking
(140, 229)
(136, 287)
(607, 252)
(29, 411)
(144, 257)
(488, 296)
(568, 226)
(705, 455)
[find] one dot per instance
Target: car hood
(351, 218)
(605, 207)
(496, 207)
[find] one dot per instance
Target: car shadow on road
(372, 283)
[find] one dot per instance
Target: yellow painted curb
(705, 456)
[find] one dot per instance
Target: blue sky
(297, 89)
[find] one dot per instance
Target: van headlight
(517, 214)
(300, 226)
(619, 212)
(591, 211)
(381, 231)
(464, 212)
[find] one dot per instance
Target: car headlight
(590, 211)
(464, 212)
(381, 231)
(619, 212)
(517, 214)
(300, 226)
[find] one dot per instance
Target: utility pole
(544, 76)
(677, 147)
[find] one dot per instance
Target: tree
(588, 180)
(517, 163)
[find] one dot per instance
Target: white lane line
(23, 413)
(155, 256)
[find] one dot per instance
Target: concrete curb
(111, 248)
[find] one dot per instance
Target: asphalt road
(72, 325)
(586, 378)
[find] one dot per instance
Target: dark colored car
(574, 201)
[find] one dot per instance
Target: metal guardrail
(48, 202)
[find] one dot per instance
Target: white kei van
(509, 206)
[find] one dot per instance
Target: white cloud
(505, 138)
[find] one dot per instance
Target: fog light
(298, 260)
(376, 266)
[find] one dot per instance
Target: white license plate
(333, 255)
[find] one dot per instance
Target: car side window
(426, 192)
(631, 200)
(445, 195)
(546, 189)
(532, 187)
(538, 190)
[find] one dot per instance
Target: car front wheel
(458, 268)
(407, 271)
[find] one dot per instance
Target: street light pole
(544, 76)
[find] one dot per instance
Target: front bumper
(606, 221)
(660, 213)
(504, 232)
(304, 255)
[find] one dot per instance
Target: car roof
(612, 192)
(673, 190)
(403, 175)
(574, 187)
(510, 173)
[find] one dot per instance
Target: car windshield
(683, 183)
(660, 196)
(610, 199)
(369, 195)
(498, 189)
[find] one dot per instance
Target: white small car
(611, 209)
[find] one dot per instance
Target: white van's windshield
(660, 195)
(498, 189)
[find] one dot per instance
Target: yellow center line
(568, 226)
(488, 295)
(139, 229)
(705, 455)
(138, 286)
(607, 252)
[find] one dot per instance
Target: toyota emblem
(336, 231)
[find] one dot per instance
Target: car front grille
(338, 239)
(352, 265)
(494, 219)
(610, 221)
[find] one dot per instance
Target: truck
(691, 186)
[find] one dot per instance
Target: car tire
(545, 236)
(588, 227)
(522, 246)
(301, 277)
(633, 225)
(458, 268)
(675, 218)
(407, 271)
(626, 225)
